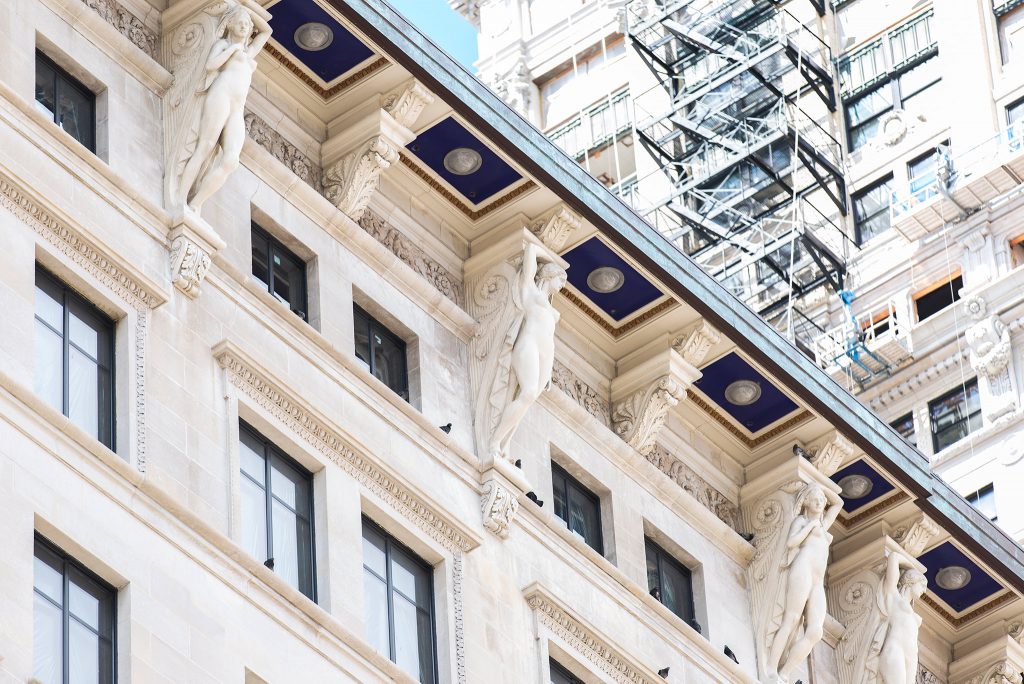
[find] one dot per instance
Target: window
(895, 71)
(381, 351)
(399, 603)
(922, 172)
(871, 210)
(577, 507)
(280, 270)
(905, 426)
(67, 102)
(669, 581)
(1011, 34)
(72, 621)
(955, 415)
(933, 300)
(560, 675)
(1015, 112)
(277, 519)
(985, 501)
(74, 357)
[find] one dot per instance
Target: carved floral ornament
(126, 23)
(498, 506)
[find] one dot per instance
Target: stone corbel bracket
(407, 102)
(557, 227)
(830, 452)
(193, 244)
(695, 343)
(643, 395)
(502, 486)
(999, 662)
(355, 158)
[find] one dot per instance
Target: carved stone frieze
(414, 257)
(692, 483)
(925, 676)
(350, 182)
(583, 394)
(581, 638)
(695, 344)
(555, 229)
(991, 356)
(264, 135)
(1002, 672)
(406, 103)
(639, 417)
(126, 23)
(498, 505)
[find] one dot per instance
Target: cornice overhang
(541, 159)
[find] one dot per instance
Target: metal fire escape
(756, 185)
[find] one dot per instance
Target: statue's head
(814, 500)
(237, 23)
(912, 584)
(550, 278)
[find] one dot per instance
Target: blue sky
(442, 25)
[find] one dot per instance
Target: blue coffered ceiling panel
(635, 292)
(981, 586)
(879, 485)
(344, 52)
(493, 176)
(769, 407)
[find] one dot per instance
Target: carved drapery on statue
(513, 350)
(791, 543)
(211, 53)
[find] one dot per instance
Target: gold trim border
(472, 214)
(626, 327)
(751, 442)
(314, 85)
(970, 616)
(854, 519)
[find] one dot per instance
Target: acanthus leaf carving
(264, 135)
(556, 229)
(692, 483)
(915, 537)
(695, 344)
(639, 417)
(189, 264)
(583, 394)
(350, 183)
(407, 103)
(126, 23)
(498, 506)
(828, 456)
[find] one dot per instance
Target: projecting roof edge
(620, 224)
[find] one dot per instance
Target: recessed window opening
(74, 365)
(280, 270)
(277, 510)
(871, 210)
(905, 426)
(932, 300)
(399, 603)
(578, 507)
(669, 581)
(381, 351)
(955, 415)
(985, 501)
(560, 675)
(73, 621)
(66, 101)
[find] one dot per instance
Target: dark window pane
(1015, 112)
(74, 357)
(67, 102)
(669, 581)
(871, 210)
(283, 272)
(938, 299)
(399, 603)
(277, 524)
(985, 501)
(46, 88)
(73, 621)
(381, 351)
(905, 426)
(955, 415)
(260, 257)
(559, 675)
(577, 507)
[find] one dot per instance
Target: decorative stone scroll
(126, 23)
(991, 357)
(915, 537)
(193, 244)
(512, 354)
(790, 510)
(264, 135)
(1003, 672)
(695, 344)
(556, 228)
(639, 417)
(498, 506)
(830, 453)
(414, 257)
(925, 676)
(406, 103)
(350, 182)
(876, 603)
(210, 48)
(692, 483)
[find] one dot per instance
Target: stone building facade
(320, 364)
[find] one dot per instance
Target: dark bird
(446, 428)
(532, 496)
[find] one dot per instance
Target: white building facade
(321, 365)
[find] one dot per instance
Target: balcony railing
(865, 348)
(897, 48)
(1001, 7)
(596, 127)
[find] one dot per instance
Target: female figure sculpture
(896, 637)
(221, 131)
(528, 350)
(803, 595)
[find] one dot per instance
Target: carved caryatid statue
(801, 606)
(515, 347)
(892, 658)
(209, 103)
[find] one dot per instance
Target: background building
(796, 152)
(257, 364)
